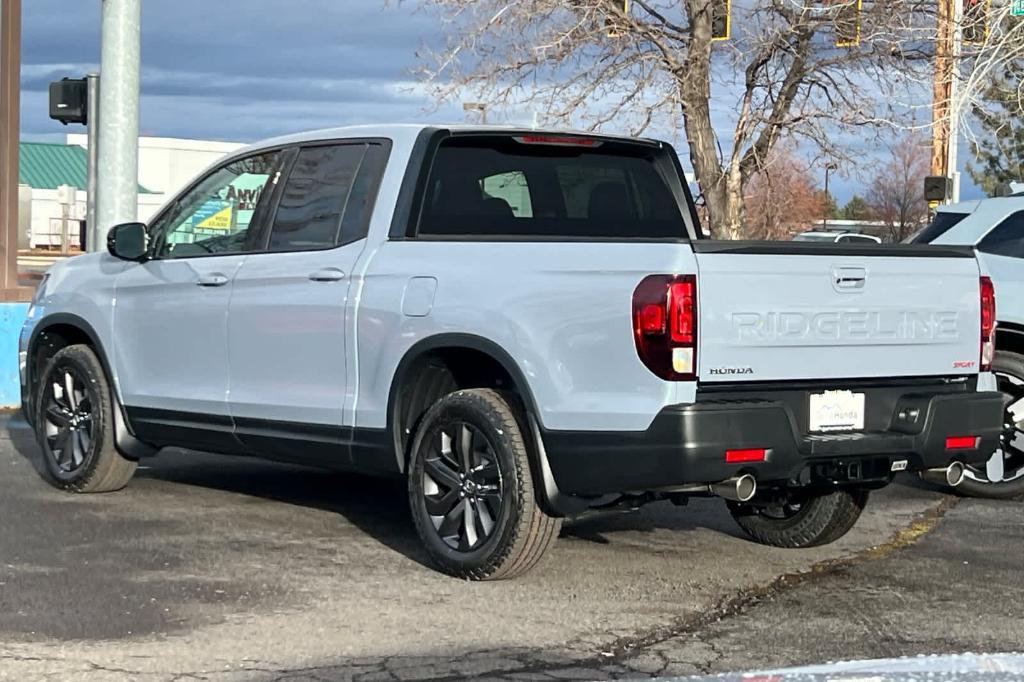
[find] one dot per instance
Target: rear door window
(1007, 239)
(328, 197)
(499, 186)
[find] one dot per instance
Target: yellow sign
(221, 220)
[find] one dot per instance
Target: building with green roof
(46, 165)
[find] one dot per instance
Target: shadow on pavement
(377, 506)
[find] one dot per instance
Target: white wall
(46, 213)
(166, 165)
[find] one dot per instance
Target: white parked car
(995, 227)
(837, 237)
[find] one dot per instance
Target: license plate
(837, 411)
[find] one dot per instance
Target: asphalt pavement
(222, 568)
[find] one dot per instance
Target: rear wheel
(1003, 475)
(471, 490)
(801, 520)
(74, 425)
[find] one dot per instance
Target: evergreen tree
(828, 203)
(856, 208)
(999, 151)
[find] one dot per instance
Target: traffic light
(721, 19)
(611, 20)
(937, 187)
(69, 101)
(847, 22)
(974, 27)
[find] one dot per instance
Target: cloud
(242, 70)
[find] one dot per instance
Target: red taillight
(749, 455)
(962, 443)
(682, 299)
(558, 140)
(988, 323)
(665, 325)
(652, 319)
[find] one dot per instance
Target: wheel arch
(473, 349)
(72, 329)
(1010, 337)
(438, 346)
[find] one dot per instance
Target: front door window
(214, 216)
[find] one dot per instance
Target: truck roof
(401, 131)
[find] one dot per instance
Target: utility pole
(945, 108)
(954, 101)
(117, 181)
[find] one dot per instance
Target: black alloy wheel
(1002, 476)
(471, 488)
(74, 423)
(462, 486)
(68, 418)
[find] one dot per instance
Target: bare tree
(896, 193)
(593, 64)
(990, 85)
(782, 198)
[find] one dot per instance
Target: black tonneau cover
(750, 247)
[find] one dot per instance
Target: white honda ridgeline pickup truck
(524, 324)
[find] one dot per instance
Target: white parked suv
(525, 325)
(995, 227)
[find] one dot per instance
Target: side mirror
(128, 241)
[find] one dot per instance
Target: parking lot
(219, 568)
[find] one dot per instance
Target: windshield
(942, 223)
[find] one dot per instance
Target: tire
(1009, 369)
(504, 533)
(819, 519)
(86, 460)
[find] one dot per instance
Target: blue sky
(234, 70)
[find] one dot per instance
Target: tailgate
(780, 311)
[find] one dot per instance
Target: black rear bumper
(686, 444)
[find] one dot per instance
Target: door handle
(849, 279)
(327, 275)
(213, 279)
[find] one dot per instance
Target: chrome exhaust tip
(737, 489)
(953, 475)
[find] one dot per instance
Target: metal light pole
(829, 166)
(93, 94)
(118, 164)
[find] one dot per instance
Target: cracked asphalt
(214, 568)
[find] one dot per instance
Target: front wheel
(471, 490)
(1003, 475)
(75, 425)
(801, 520)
